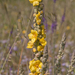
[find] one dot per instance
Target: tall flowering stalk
(37, 39)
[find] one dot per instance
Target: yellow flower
(33, 40)
(37, 70)
(19, 20)
(33, 69)
(42, 26)
(33, 74)
(30, 63)
(34, 63)
(44, 35)
(38, 21)
(30, 66)
(38, 61)
(37, 15)
(40, 48)
(30, 44)
(34, 25)
(40, 65)
(68, 28)
(43, 31)
(34, 50)
(35, 3)
(23, 31)
(41, 12)
(33, 34)
(31, 1)
(43, 42)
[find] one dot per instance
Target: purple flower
(50, 70)
(53, 26)
(63, 69)
(10, 50)
(63, 17)
(15, 48)
(54, 1)
(56, 45)
(43, 19)
(45, 23)
(11, 31)
(4, 41)
(46, 26)
(10, 68)
(63, 64)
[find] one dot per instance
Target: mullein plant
(37, 40)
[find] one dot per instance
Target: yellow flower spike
(34, 50)
(43, 42)
(36, 65)
(40, 48)
(33, 69)
(35, 3)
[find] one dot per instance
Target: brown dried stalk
(71, 66)
(59, 56)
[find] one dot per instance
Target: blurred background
(15, 24)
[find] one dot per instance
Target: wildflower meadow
(37, 37)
